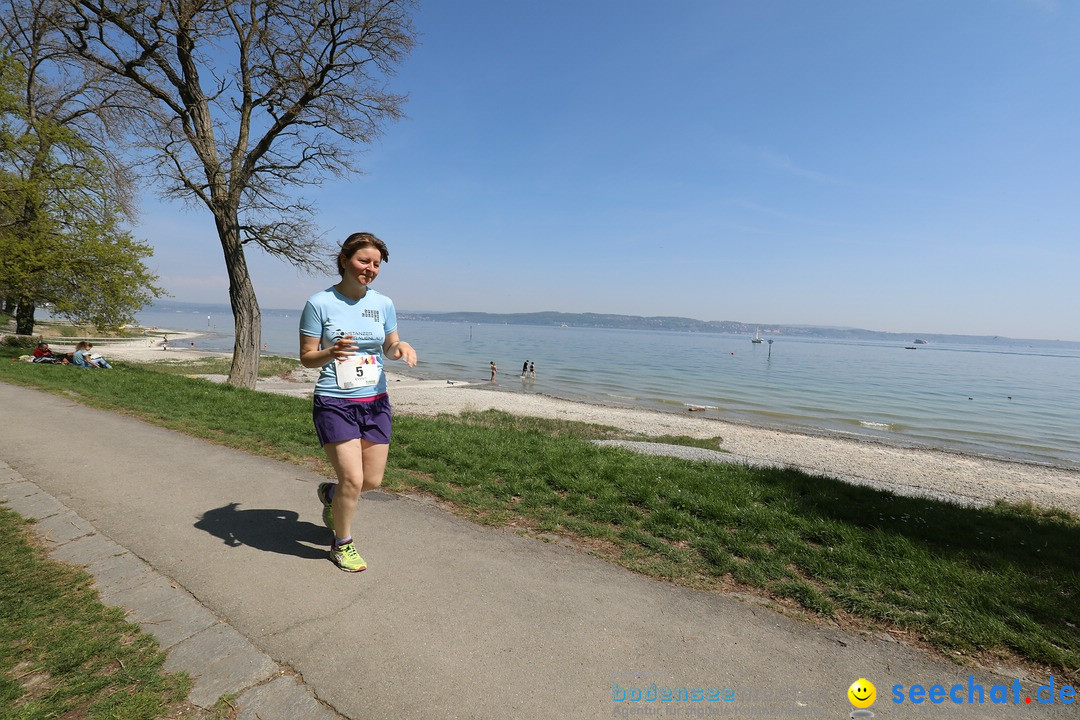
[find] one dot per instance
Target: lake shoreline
(1010, 405)
(796, 429)
(906, 469)
(929, 472)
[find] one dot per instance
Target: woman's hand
(342, 348)
(402, 350)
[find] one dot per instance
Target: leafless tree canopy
(245, 101)
(70, 107)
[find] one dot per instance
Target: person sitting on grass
(43, 354)
(84, 359)
(97, 358)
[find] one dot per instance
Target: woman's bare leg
(359, 465)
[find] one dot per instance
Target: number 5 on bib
(358, 371)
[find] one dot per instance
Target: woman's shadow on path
(277, 531)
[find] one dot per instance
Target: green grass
(994, 582)
(269, 366)
(64, 654)
(52, 330)
(712, 443)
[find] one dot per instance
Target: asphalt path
(451, 620)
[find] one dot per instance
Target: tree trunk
(24, 317)
(245, 306)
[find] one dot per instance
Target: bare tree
(243, 103)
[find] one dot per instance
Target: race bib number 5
(358, 371)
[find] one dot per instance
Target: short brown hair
(357, 241)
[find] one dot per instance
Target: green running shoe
(346, 558)
(323, 491)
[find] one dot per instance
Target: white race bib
(358, 370)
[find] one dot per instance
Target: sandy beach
(910, 471)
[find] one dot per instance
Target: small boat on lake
(757, 337)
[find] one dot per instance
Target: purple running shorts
(341, 419)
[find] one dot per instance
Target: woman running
(348, 330)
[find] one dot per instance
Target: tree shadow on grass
(277, 531)
(1019, 536)
(1016, 561)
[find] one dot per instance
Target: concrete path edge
(220, 660)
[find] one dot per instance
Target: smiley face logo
(862, 693)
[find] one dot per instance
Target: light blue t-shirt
(81, 358)
(329, 316)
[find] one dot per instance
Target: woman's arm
(311, 356)
(397, 349)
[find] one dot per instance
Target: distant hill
(677, 324)
(728, 327)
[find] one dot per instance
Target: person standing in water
(348, 331)
(494, 371)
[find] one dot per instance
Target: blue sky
(905, 166)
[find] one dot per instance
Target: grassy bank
(1002, 581)
(60, 331)
(269, 366)
(64, 655)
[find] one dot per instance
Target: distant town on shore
(726, 327)
(670, 323)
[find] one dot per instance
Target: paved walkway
(222, 556)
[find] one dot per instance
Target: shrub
(21, 342)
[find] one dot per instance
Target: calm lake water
(1015, 401)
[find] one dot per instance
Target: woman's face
(363, 266)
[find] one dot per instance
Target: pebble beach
(956, 477)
